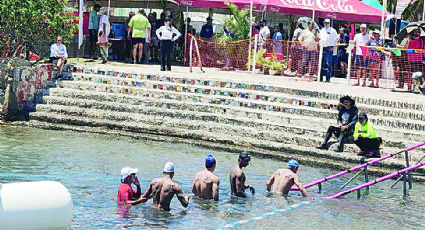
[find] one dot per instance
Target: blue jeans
(327, 59)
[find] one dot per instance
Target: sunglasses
(59, 40)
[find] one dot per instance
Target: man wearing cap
(205, 185)
(207, 29)
(283, 179)
(237, 177)
(163, 189)
(329, 38)
(365, 137)
(375, 57)
(361, 39)
(126, 193)
(264, 33)
(140, 28)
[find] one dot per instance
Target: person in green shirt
(365, 137)
(140, 29)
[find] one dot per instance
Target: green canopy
(373, 3)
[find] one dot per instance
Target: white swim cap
(127, 171)
(169, 167)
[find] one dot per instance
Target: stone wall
(23, 89)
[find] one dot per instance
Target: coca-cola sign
(327, 5)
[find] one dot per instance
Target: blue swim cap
(292, 163)
(209, 161)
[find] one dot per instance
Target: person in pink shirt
(126, 194)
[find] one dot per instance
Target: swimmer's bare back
(237, 181)
(205, 185)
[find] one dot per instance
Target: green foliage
(274, 64)
(260, 60)
(31, 21)
(238, 23)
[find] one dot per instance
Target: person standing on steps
(167, 34)
(347, 118)
(93, 29)
(283, 179)
(237, 177)
(205, 185)
(365, 137)
(140, 30)
(329, 38)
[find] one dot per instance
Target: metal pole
(185, 35)
(250, 30)
(404, 185)
(320, 187)
(320, 61)
(384, 9)
(255, 54)
(351, 179)
(366, 177)
(406, 156)
(314, 10)
(350, 57)
(109, 8)
(190, 54)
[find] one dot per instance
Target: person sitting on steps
(365, 137)
(347, 119)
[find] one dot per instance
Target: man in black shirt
(347, 118)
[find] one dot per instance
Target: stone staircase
(250, 115)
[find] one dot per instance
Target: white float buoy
(35, 205)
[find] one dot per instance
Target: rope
(48, 177)
(264, 216)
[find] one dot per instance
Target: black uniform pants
(167, 48)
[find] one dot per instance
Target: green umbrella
(373, 3)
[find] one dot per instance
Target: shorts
(361, 61)
(155, 41)
(138, 40)
(92, 36)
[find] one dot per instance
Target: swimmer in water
(237, 177)
(205, 185)
(163, 189)
(283, 179)
(126, 193)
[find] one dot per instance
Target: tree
(238, 23)
(25, 23)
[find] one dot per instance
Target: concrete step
(298, 124)
(257, 128)
(216, 140)
(391, 122)
(208, 88)
(258, 86)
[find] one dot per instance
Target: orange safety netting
(386, 67)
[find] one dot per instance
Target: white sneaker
(287, 72)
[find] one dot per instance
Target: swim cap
(169, 167)
(209, 161)
(292, 163)
(127, 171)
(244, 156)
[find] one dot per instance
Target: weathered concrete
(267, 115)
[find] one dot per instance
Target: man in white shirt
(329, 38)
(93, 28)
(264, 33)
(309, 42)
(58, 53)
(361, 39)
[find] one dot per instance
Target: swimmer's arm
(184, 200)
(215, 186)
(300, 186)
(270, 182)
